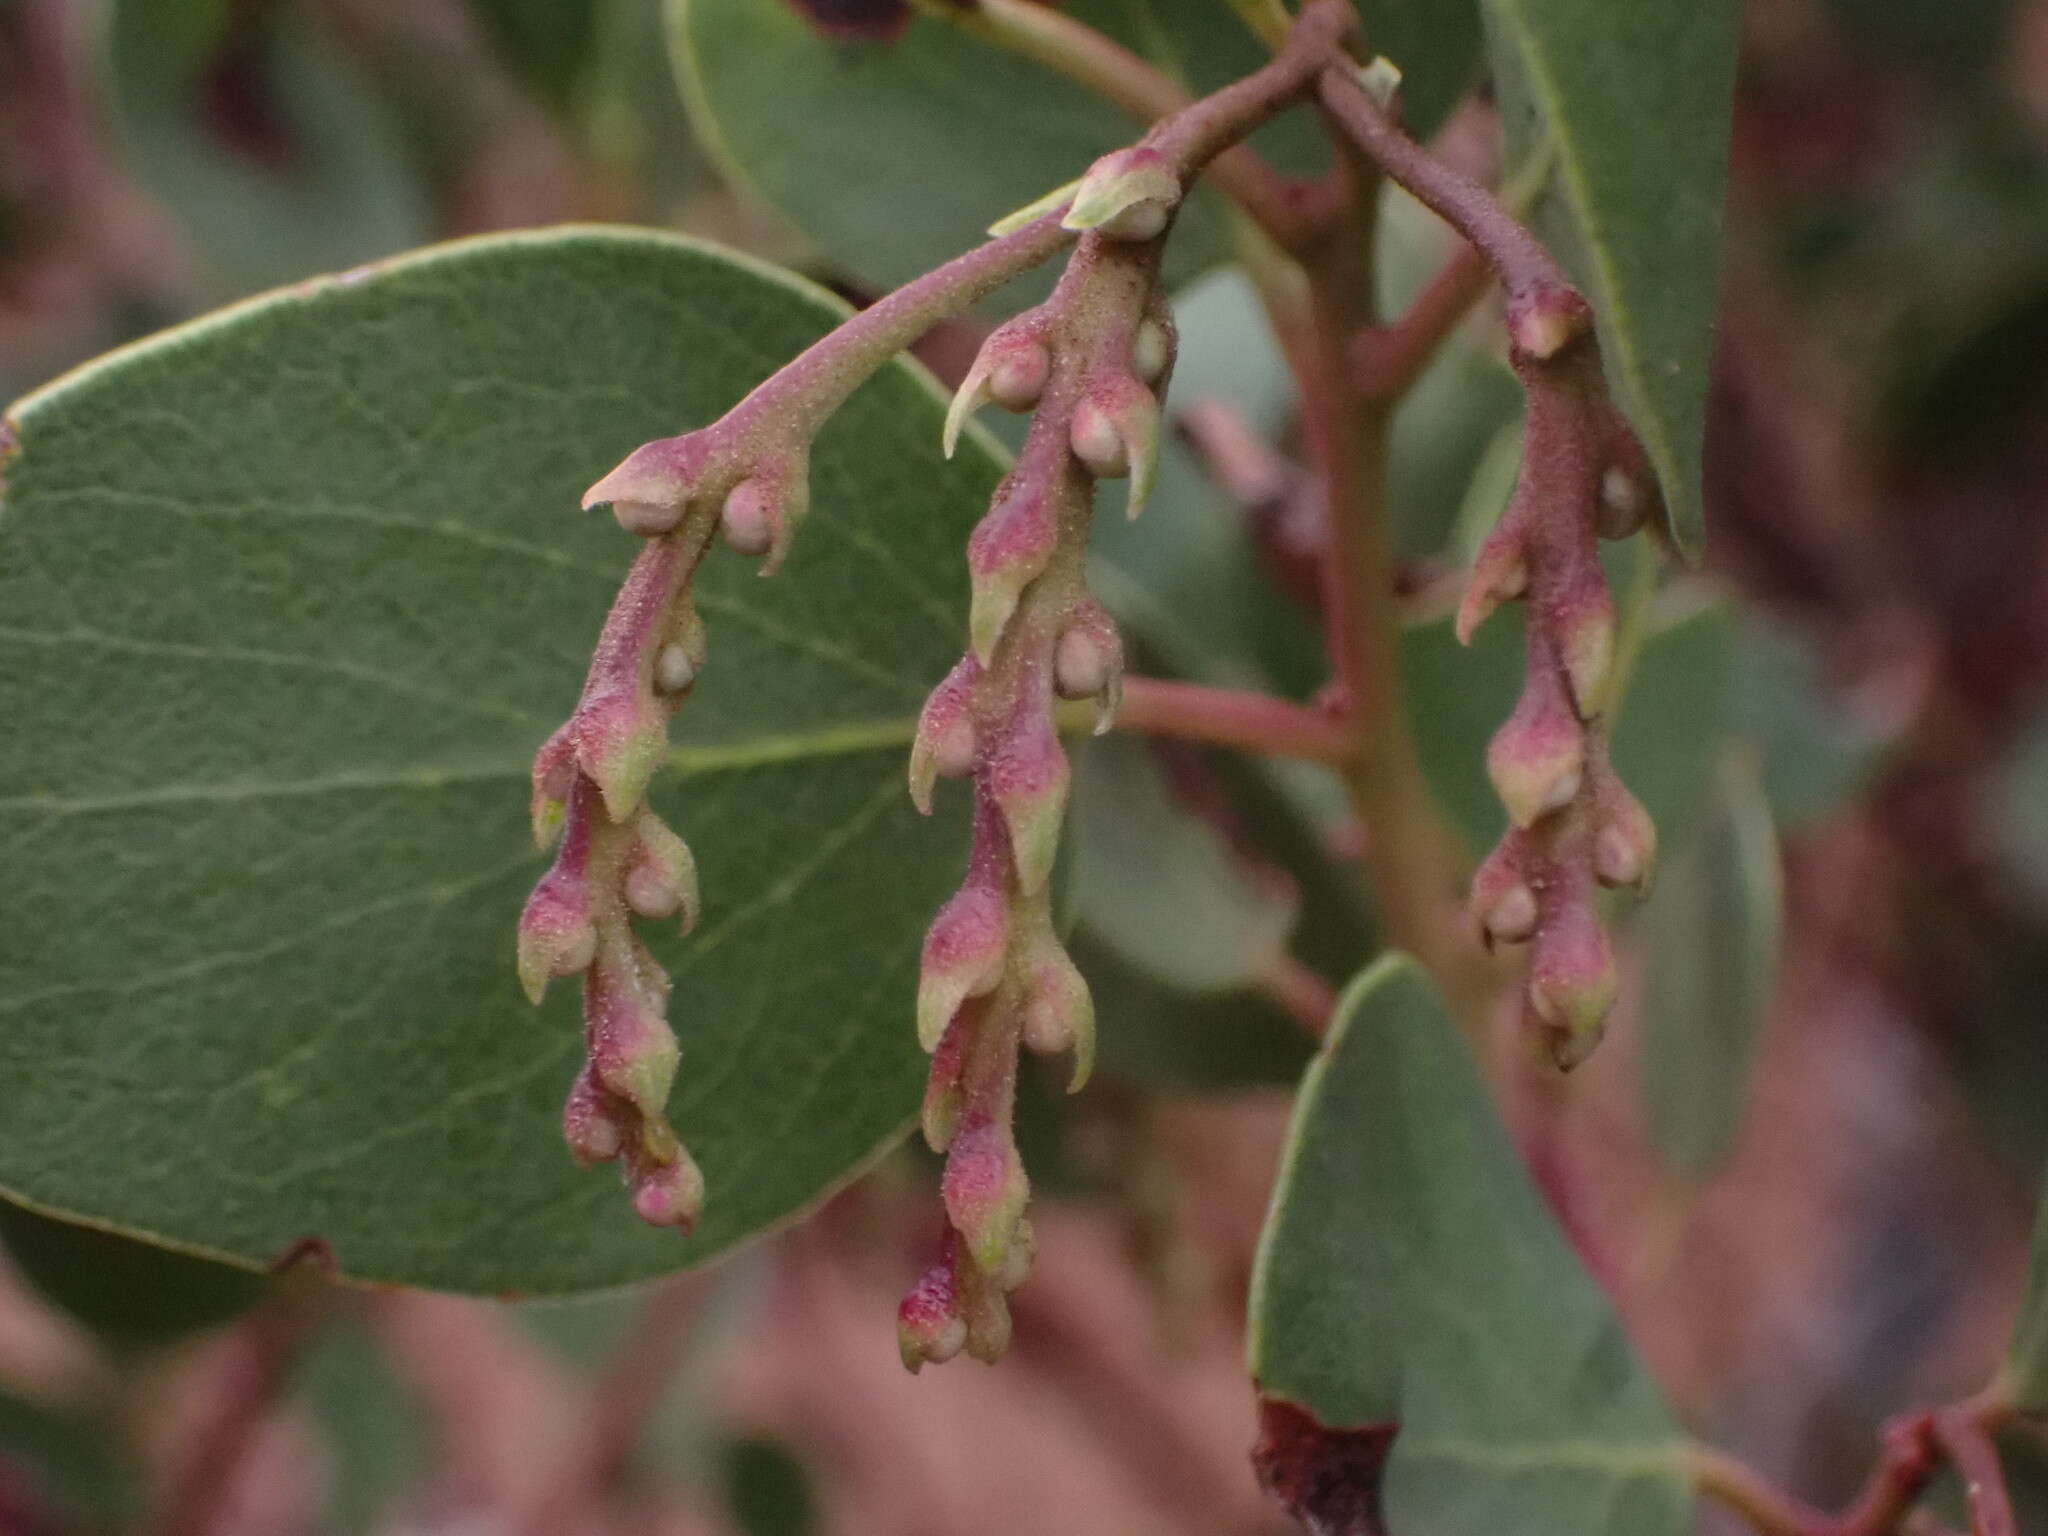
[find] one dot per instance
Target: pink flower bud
(985, 1191)
(944, 746)
(670, 1194)
(590, 1123)
(1503, 903)
(1008, 550)
(1088, 662)
(1129, 194)
(650, 490)
(964, 951)
(661, 875)
(929, 1328)
(556, 934)
(1027, 776)
(1573, 980)
(1544, 322)
(1059, 1014)
(620, 738)
(1625, 844)
(1115, 432)
(1537, 758)
(761, 513)
(1011, 368)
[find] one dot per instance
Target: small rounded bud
(651, 893)
(587, 1124)
(1018, 378)
(675, 669)
(1145, 220)
(1619, 493)
(953, 748)
(670, 1195)
(1048, 1029)
(1016, 1265)
(649, 519)
(1152, 350)
(748, 520)
(1544, 323)
(1512, 918)
(1084, 662)
(1564, 789)
(1097, 442)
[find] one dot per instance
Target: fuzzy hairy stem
(1417, 867)
(1129, 81)
(1525, 268)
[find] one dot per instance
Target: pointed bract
(1129, 194)
(963, 954)
(985, 1190)
(556, 934)
(1537, 758)
(944, 746)
(1116, 432)
(1008, 550)
(1028, 777)
(620, 739)
(670, 1194)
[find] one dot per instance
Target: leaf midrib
(843, 740)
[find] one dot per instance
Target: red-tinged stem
(626, 1399)
(1912, 1454)
(1303, 994)
(1114, 72)
(1966, 1437)
(1389, 359)
(795, 399)
(1521, 262)
(261, 1354)
(1252, 722)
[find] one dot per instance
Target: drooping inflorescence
(1091, 364)
(1573, 825)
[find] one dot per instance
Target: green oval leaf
(1713, 926)
(287, 598)
(1632, 104)
(1410, 1276)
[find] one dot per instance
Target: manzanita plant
(1431, 1354)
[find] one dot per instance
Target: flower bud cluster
(1574, 825)
(617, 860)
(1090, 364)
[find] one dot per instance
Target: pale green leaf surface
(1160, 885)
(1714, 927)
(289, 597)
(1634, 102)
(1409, 1271)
